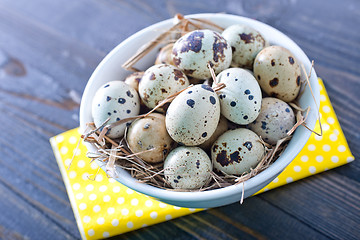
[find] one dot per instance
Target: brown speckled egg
(149, 133)
(193, 115)
(278, 73)
(164, 56)
(240, 100)
(159, 82)
(276, 118)
(245, 44)
(115, 100)
(187, 168)
(134, 79)
(193, 51)
(220, 129)
(237, 151)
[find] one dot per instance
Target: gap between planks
(46, 212)
(304, 217)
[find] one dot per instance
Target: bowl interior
(110, 69)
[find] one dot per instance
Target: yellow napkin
(104, 207)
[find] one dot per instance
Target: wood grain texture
(48, 50)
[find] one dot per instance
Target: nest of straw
(115, 153)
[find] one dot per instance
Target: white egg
(195, 50)
(237, 151)
(240, 100)
(115, 100)
(193, 115)
(276, 118)
(187, 168)
(159, 82)
(245, 44)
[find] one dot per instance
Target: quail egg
(276, 118)
(240, 100)
(134, 79)
(220, 129)
(115, 100)
(195, 50)
(245, 44)
(187, 168)
(237, 151)
(149, 133)
(164, 56)
(159, 82)
(278, 73)
(193, 115)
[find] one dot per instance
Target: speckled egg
(193, 115)
(159, 82)
(220, 129)
(278, 73)
(134, 79)
(245, 44)
(193, 51)
(240, 100)
(237, 151)
(187, 168)
(115, 100)
(164, 56)
(276, 118)
(149, 133)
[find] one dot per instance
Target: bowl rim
(270, 173)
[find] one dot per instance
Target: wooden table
(48, 50)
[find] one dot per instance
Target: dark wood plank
(24, 221)
(324, 202)
(255, 219)
(31, 173)
(261, 218)
(121, 18)
(64, 61)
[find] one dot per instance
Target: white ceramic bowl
(110, 69)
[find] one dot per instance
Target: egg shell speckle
(193, 115)
(115, 100)
(245, 44)
(187, 168)
(278, 73)
(241, 99)
(236, 151)
(159, 82)
(149, 133)
(276, 118)
(195, 50)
